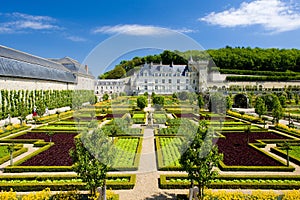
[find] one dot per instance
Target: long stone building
(23, 71)
(160, 79)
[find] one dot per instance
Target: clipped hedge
(282, 153)
(20, 169)
(15, 154)
(225, 167)
(6, 133)
(64, 186)
(245, 117)
(165, 184)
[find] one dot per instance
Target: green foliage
(142, 102)
(158, 102)
(199, 159)
(277, 111)
(260, 106)
(92, 158)
(105, 97)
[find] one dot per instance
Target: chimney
(86, 69)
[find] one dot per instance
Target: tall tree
(260, 106)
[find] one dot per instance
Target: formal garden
(97, 141)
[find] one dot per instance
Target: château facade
(160, 79)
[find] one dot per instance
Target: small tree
(11, 149)
(277, 111)
(248, 131)
(105, 97)
(142, 102)
(286, 146)
(158, 102)
(199, 158)
(201, 102)
(92, 157)
(260, 107)
(50, 134)
(229, 102)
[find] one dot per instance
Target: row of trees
(239, 58)
(257, 59)
(21, 102)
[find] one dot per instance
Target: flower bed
(237, 152)
(56, 155)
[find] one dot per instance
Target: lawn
(3, 151)
(295, 151)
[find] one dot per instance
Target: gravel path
(146, 186)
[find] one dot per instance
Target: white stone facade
(160, 79)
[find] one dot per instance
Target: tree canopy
(238, 58)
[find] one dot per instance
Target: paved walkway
(146, 186)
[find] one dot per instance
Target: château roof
(160, 68)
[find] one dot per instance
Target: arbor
(199, 158)
(158, 102)
(142, 102)
(260, 106)
(92, 157)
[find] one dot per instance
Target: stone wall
(10, 83)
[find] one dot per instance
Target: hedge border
(225, 167)
(15, 154)
(282, 154)
(163, 184)
(137, 157)
(64, 186)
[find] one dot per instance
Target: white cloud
(18, 22)
(76, 39)
(273, 15)
(136, 29)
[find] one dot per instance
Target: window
(163, 80)
(178, 80)
(146, 87)
(156, 87)
(156, 81)
(186, 87)
(194, 81)
(178, 87)
(170, 80)
(146, 81)
(187, 80)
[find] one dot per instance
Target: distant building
(23, 71)
(111, 86)
(160, 79)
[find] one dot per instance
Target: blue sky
(54, 29)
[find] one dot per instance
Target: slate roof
(14, 63)
(73, 65)
(159, 68)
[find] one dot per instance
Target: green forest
(228, 58)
